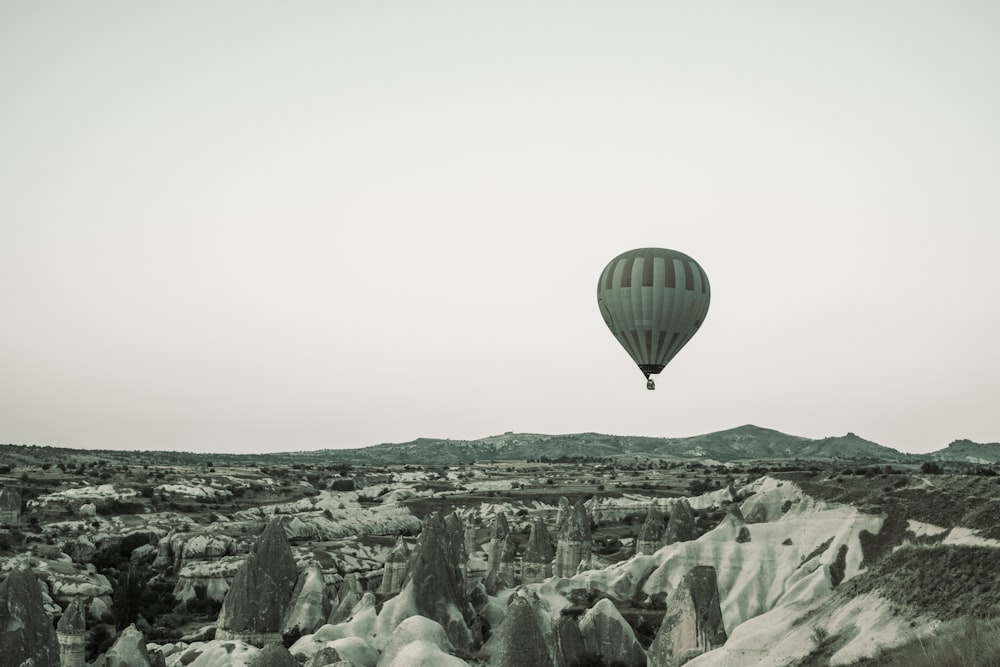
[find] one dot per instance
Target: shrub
(931, 468)
(291, 636)
(99, 640)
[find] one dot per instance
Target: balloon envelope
(653, 300)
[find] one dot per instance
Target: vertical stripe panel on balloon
(644, 307)
(671, 274)
(614, 298)
(688, 275)
(659, 294)
(627, 271)
(619, 298)
(676, 302)
(637, 309)
(647, 323)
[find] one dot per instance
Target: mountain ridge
(746, 442)
(740, 443)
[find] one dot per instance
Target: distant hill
(969, 452)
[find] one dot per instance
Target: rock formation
(323, 657)
(343, 603)
(471, 537)
(538, 555)
(71, 634)
(178, 549)
(562, 514)
(519, 641)
(583, 518)
(506, 574)
(607, 634)
(650, 537)
(456, 536)
(569, 642)
(573, 545)
(438, 582)
(26, 630)
(129, 650)
(310, 605)
(417, 641)
(681, 526)
(734, 519)
(502, 557)
(255, 604)
(498, 536)
(275, 655)
(693, 622)
(10, 506)
(395, 568)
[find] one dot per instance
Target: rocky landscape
(744, 547)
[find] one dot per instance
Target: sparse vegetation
(964, 643)
(945, 581)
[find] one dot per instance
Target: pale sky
(247, 226)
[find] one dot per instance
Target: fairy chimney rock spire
(255, 605)
(681, 526)
(396, 566)
(651, 535)
(71, 634)
(538, 554)
(26, 629)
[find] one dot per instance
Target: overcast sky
(246, 226)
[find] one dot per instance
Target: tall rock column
(520, 639)
(501, 556)
(650, 537)
(573, 543)
(693, 622)
(471, 537)
(583, 517)
(456, 537)
(26, 630)
(395, 568)
(507, 574)
(255, 604)
(562, 514)
(10, 506)
(71, 634)
(538, 555)
(437, 580)
(681, 526)
(498, 535)
(606, 633)
(130, 649)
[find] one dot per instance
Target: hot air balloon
(653, 300)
